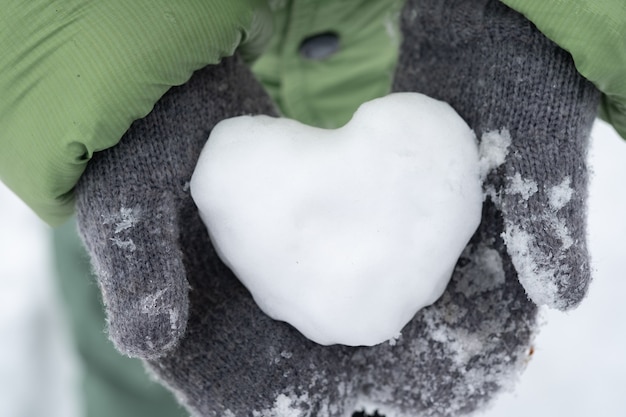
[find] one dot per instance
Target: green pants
(113, 385)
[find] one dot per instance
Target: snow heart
(347, 233)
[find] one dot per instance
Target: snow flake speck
(394, 340)
(561, 230)
(285, 406)
(533, 269)
(173, 319)
(561, 194)
(485, 273)
(124, 244)
(151, 304)
(125, 219)
(522, 186)
(493, 150)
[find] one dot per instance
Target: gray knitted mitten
(525, 100)
(134, 208)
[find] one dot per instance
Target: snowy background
(578, 370)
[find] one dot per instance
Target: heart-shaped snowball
(347, 233)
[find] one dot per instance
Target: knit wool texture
(135, 212)
(171, 301)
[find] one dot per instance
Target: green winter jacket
(75, 74)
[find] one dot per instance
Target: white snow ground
(578, 370)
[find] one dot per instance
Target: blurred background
(578, 369)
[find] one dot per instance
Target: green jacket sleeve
(594, 32)
(75, 74)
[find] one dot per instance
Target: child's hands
(171, 301)
(175, 304)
